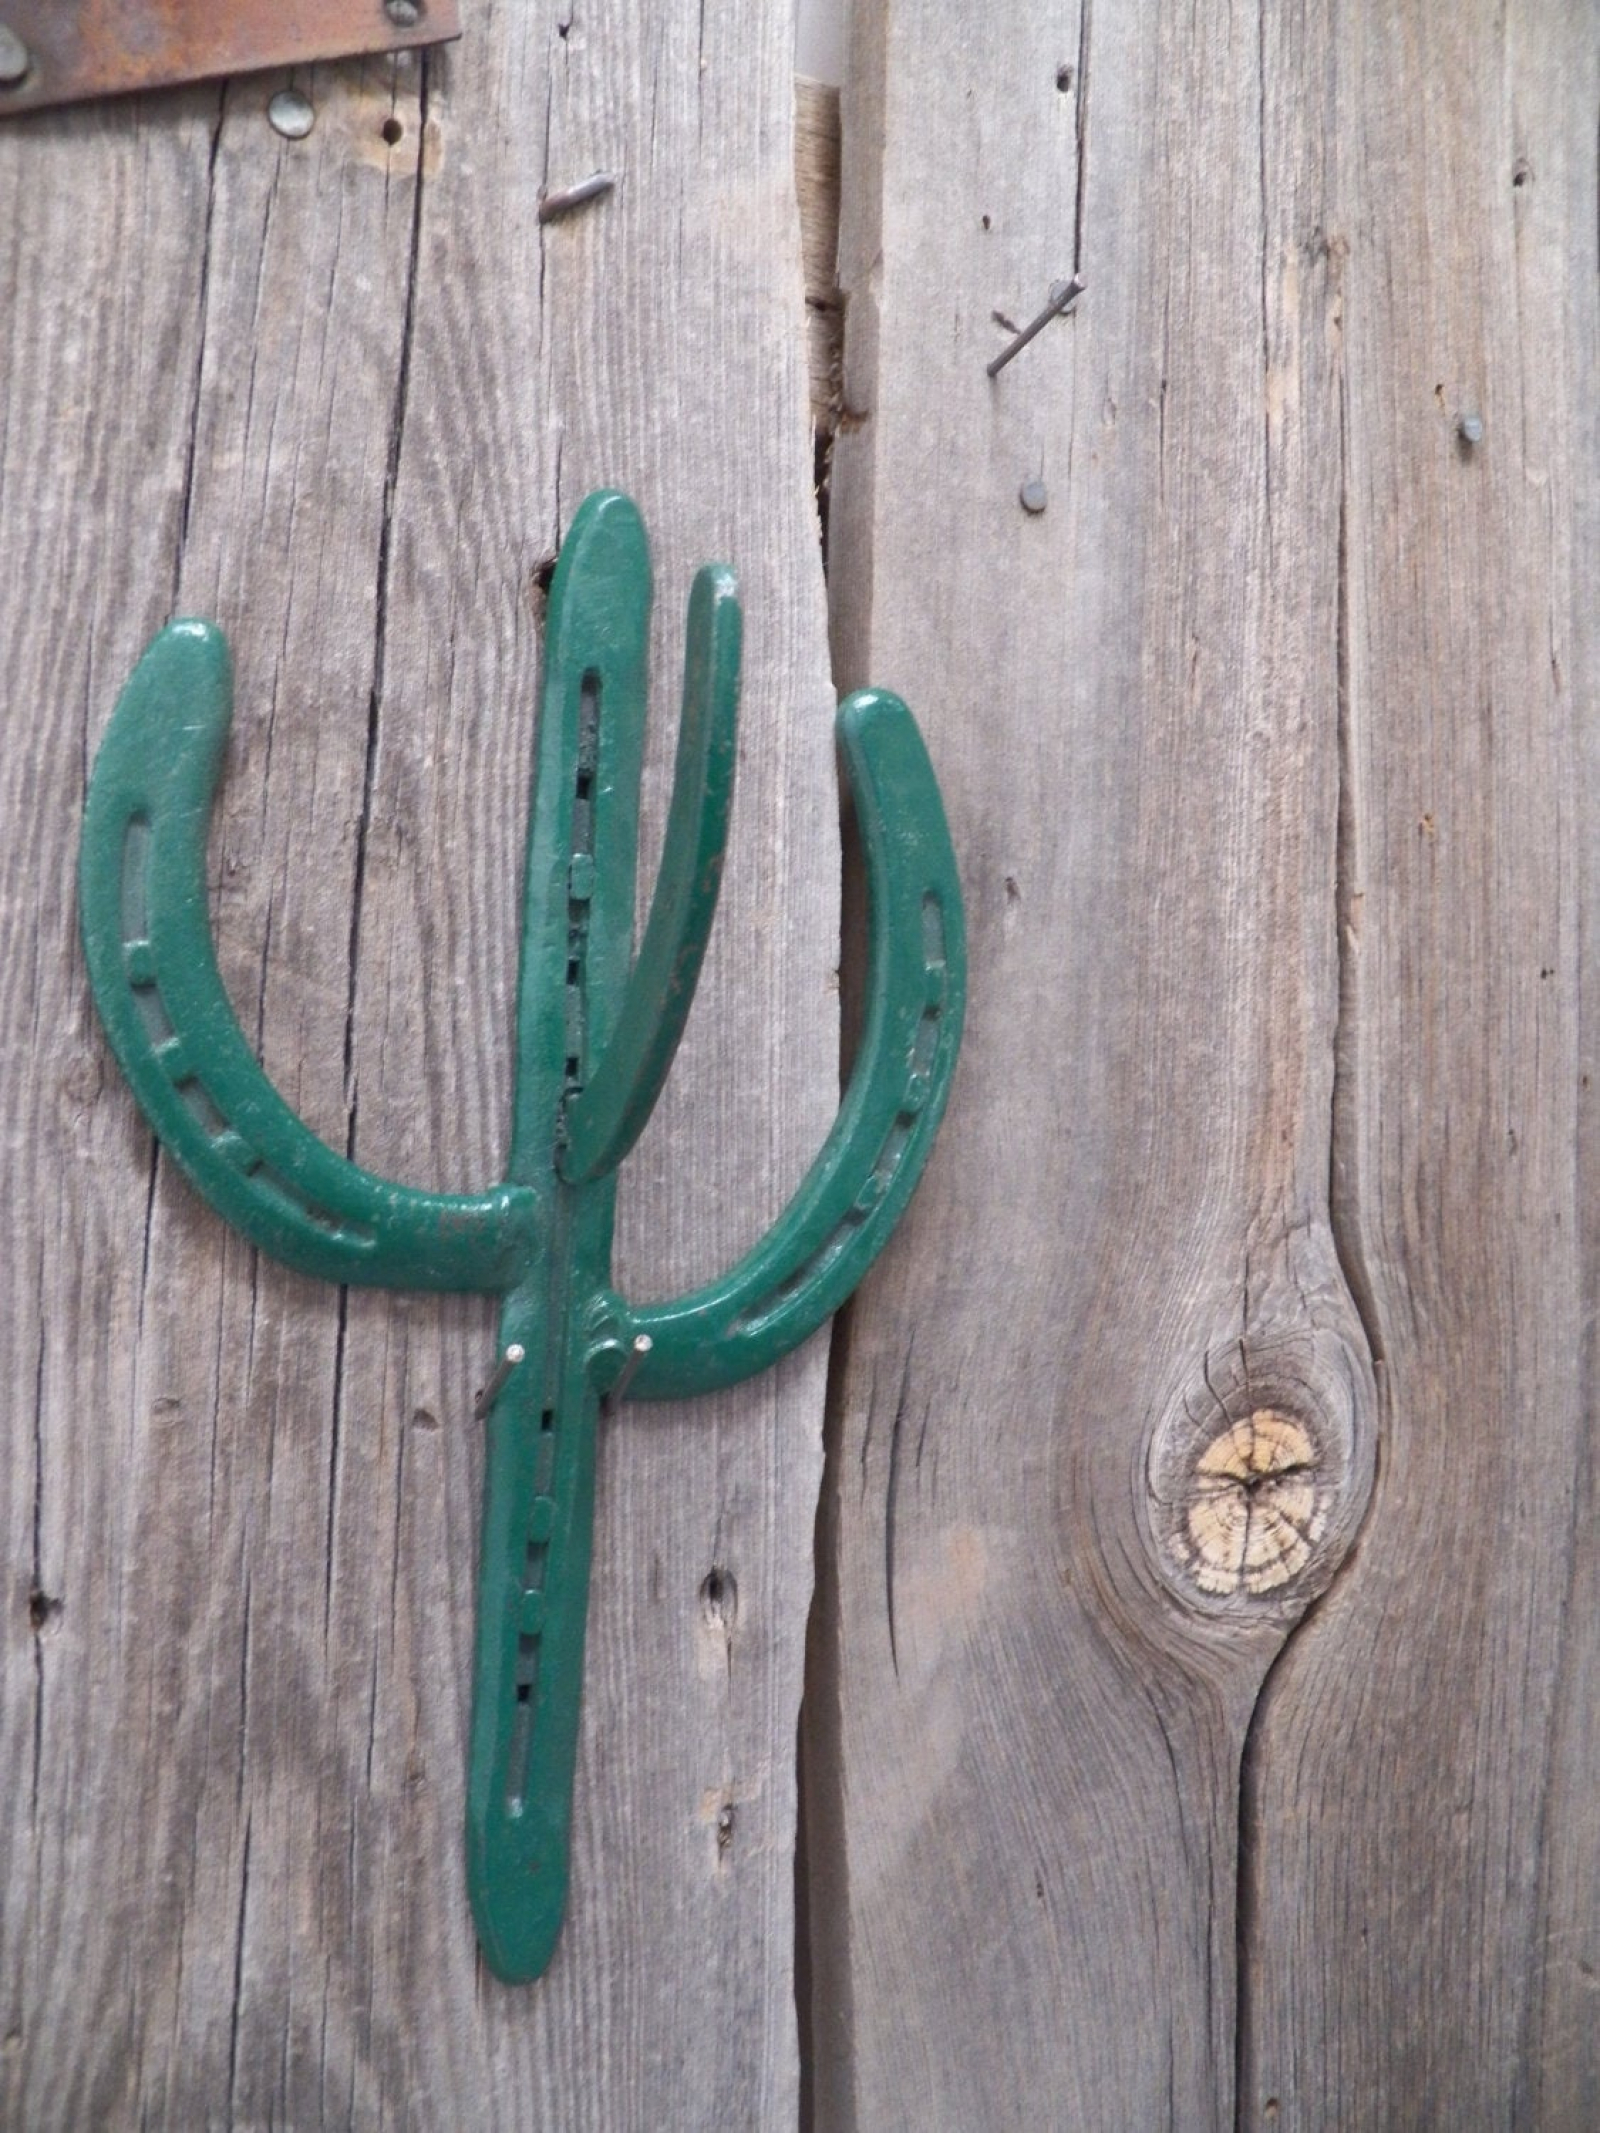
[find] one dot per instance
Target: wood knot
(1256, 1508)
(1259, 1471)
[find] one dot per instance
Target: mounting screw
(290, 114)
(404, 14)
(1033, 496)
(15, 59)
(1469, 428)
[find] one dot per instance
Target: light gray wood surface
(343, 395)
(1203, 1696)
(1424, 1808)
(1267, 747)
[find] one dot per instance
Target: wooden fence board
(1107, 1419)
(1204, 1694)
(1269, 752)
(344, 394)
(1424, 1915)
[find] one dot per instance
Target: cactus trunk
(538, 1517)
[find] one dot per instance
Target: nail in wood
(1063, 295)
(571, 196)
(491, 1392)
(642, 1344)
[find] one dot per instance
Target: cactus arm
(153, 972)
(848, 1203)
(606, 1118)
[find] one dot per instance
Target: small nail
(642, 1345)
(404, 14)
(15, 58)
(503, 1369)
(570, 196)
(1033, 496)
(290, 114)
(1470, 429)
(1063, 295)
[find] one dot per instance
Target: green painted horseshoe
(597, 1028)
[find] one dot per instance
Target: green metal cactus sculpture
(596, 1031)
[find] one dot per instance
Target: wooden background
(1202, 1684)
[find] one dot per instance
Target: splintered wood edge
(816, 174)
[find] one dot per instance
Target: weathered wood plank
(344, 394)
(96, 404)
(1106, 1423)
(1424, 1923)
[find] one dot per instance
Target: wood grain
(1423, 1943)
(1043, 1640)
(1268, 1172)
(816, 171)
(1204, 1696)
(343, 395)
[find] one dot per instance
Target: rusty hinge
(61, 51)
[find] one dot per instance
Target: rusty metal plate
(61, 51)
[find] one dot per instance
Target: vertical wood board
(1106, 1422)
(1269, 749)
(344, 394)
(1423, 1937)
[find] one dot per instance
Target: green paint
(596, 1032)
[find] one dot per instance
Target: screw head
(290, 114)
(15, 58)
(404, 14)
(1033, 496)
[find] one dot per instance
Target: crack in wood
(196, 396)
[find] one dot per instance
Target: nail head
(1470, 429)
(15, 58)
(404, 14)
(509, 1359)
(1033, 496)
(638, 1348)
(290, 114)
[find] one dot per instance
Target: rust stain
(111, 47)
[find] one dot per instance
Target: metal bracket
(55, 52)
(597, 1027)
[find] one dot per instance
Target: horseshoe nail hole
(42, 1610)
(725, 1820)
(393, 132)
(1064, 80)
(1521, 172)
